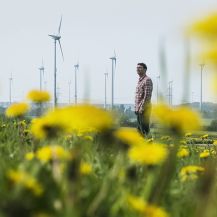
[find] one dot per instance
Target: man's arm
(147, 94)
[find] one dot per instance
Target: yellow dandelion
(190, 172)
(205, 27)
(73, 119)
(17, 110)
(87, 118)
(204, 154)
(204, 136)
(215, 142)
(27, 181)
(129, 136)
(54, 152)
(136, 203)
(48, 127)
(155, 211)
(38, 96)
(150, 154)
(85, 168)
(178, 120)
(188, 134)
(89, 138)
(29, 156)
(183, 152)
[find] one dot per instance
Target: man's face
(140, 70)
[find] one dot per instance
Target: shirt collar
(141, 78)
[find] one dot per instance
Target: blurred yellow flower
(38, 96)
(141, 206)
(136, 203)
(183, 152)
(206, 27)
(179, 120)
(87, 118)
(29, 156)
(79, 118)
(155, 211)
(25, 180)
(215, 142)
(188, 134)
(41, 214)
(190, 172)
(48, 127)
(17, 110)
(204, 154)
(204, 136)
(54, 152)
(90, 138)
(150, 154)
(85, 168)
(129, 136)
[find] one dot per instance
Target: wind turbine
(56, 38)
(106, 76)
(41, 69)
(76, 69)
(113, 71)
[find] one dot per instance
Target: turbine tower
(56, 38)
(113, 59)
(76, 69)
(41, 69)
(106, 76)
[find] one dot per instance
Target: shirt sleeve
(148, 87)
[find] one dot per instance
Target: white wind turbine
(113, 72)
(56, 38)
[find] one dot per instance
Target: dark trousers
(143, 121)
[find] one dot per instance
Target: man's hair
(143, 65)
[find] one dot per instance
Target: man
(143, 99)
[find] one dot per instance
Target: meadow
(78, 161)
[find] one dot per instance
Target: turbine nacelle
(55, 37)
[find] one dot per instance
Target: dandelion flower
(155, 211)
(136, 203)
(183, 152)
(55, 152)
(204, 154)
(129, 136)
(204, 136)
(85, 168)
(178, 120)
(150, 154)
(27, 181)
(29, 156)
(190, 172)
(17, 110)
(38, 96)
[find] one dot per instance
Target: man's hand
(141, 111)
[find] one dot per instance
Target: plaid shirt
(143, 93)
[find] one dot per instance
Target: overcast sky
(91, 30)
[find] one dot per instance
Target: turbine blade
(60, 26)
(61, 49)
